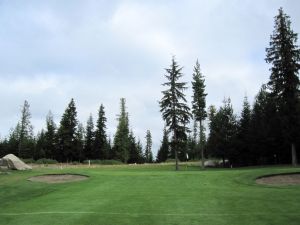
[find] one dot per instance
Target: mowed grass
(153, 194)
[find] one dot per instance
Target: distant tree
(67, 133)
(244, 133)
(284, 56)
(163, 152)
(135, 152)
(40, 147)
(80, 140)
(174, 108)
(148, 148)
(89, 140)
(199, 104)
(101, 146)
(223, 131)
(121, 140)
(25, 129)
(50, 137)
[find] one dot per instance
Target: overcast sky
(99, 51)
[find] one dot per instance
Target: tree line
(71, 141)
(266, 132)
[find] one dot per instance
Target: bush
(103, 162)
(31, 160)
(46, 161)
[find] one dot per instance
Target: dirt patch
(58, 178)
(281, 179)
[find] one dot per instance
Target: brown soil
(284, 179)
(58, 178)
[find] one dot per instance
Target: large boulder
(13, 162)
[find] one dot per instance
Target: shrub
(46, 161)
(31, 160)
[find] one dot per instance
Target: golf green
(149, 194)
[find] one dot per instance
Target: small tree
(174, 108)
(199, 103)
(148, 151)
(50, 137)
(89, 139)
(101, 146)
(163, 152)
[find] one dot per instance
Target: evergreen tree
(163, 152)
(121, 140)
(135, 152)
(174, 108)
(80, 140)
(223, 131)
(67, 134)
(284, 56)
(89, 149)
(198, 103)
(148, 151)
(50, 137)
(25, 129)
(243, 133)
(101, 146)
(40, 147)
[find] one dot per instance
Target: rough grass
(149, 194)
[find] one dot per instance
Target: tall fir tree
(164, 150)
(67, 133)
(174, 108)
(244, 133)
(121, 140)
(148, 148)
(50, 137)
(101, 145)
(199, 103)
(25, 129)
(80, 141)
(284, 56)
(90, 139)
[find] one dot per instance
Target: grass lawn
(149, 195)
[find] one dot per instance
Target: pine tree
(101, 146)
(284, 56)
(135, 152)
(25, 129)
(67, 132)
(121, 140)
(148, 147)
(244, 132)
(163, 152)
(198, 103)
(40, 147)
(50, 137)
(80, 140)
(174, 109)
(90, 140)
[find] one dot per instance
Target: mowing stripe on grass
(153, 214)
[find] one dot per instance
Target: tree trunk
(294, 155)
(201, 147)
(175, 149)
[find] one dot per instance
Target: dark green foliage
(103, 162)
(243, 136)
(135, 150)
(121, 140)
(79, 141)
(89, 141)
(284, 57)
(25, 133)
(50, 137)
(164, 150)
(174, 109)
(67, 132)
(40, 146)
(223, 131)
(45, 161)
(148, 147)
(101, 149)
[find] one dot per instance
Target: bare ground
(284, 179)
(58, 178)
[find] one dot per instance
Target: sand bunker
(58, 178)
(280, 179)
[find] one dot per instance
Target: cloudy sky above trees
(99, 51)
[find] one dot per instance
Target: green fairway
(153, 194)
